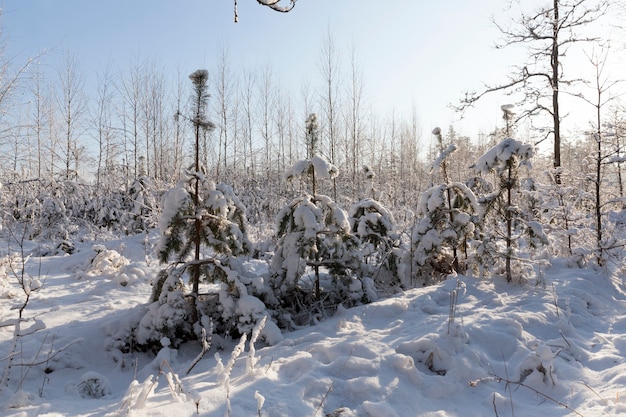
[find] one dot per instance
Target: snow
(508, 151)
(172, 202)
(523, 349)
(322, 168)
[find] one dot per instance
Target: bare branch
(275, 5)
(472, 97)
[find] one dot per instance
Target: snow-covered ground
(552, 349)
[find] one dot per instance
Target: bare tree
(180, 97)
(224, 86)
(329, 69)
(601, 87)
(546, 32)
(102, 119)
(152, 111)
(38, 114)
(130, 91)
(354, 122)
(281, 121)
(247, 87)
(266, 104)
(72, 102)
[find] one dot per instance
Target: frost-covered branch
(278, 5)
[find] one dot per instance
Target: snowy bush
(203, 230)
(93, 385)
(538, 367)
(167, 316)
(140, 206)
(511, 223)
(373, 225)
(564, 212)
(446, 226)
(106, 261)
(312, 231)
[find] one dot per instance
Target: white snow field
(552, 348)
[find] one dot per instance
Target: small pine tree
(313, 233)
(373, 225)
(448, 217)
(203, 226)
(505, 160)
(140, 206)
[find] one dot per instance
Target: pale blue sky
(412, 53)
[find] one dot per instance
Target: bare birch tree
(546, 32)
(329, 70)
(354, 116)
(130, 90)
(72, 103)
(102, 120)
(224, 88)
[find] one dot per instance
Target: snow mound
(529, 349)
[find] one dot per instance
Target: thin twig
(495, 409)
(598, 395)
(330, 388)
(536, 391)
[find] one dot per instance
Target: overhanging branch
(276, 5)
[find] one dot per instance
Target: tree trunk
(509, 224)
(554, 63)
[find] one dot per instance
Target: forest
(231, 165)
(264, 210)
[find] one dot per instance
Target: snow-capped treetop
(507, 109)
(299, 168)
(370, 218)
(322, 168)
(434, 200)
(311, 215)
(305, 217)
(509, 152)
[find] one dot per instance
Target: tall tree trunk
(509, 224)
(554, 63)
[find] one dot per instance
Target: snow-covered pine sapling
(140, 206)
(373, 225)
(447, 218)
(441, 164)
(203, 227)
(312, 231)
(505, 160)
